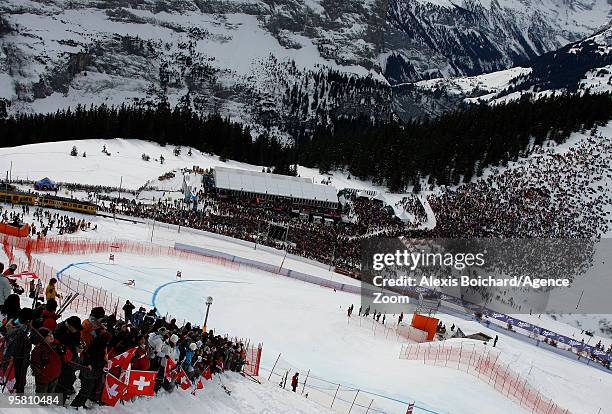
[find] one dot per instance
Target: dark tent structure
(46, 184)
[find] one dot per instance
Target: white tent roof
(273, 184)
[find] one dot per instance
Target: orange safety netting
(483, 362)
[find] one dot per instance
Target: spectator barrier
(233, 240)
(485, 365)
(266, 267)
(341, 398)
(85, 246)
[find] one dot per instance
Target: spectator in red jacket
(46, 362)
(141, 360)
(49, 317)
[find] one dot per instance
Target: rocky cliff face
(276, 64)
(580, 66)
(471, 37)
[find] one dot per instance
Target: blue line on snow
(59, 274)
(160, 287)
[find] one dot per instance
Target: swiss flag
(113, 390)
(8, 377)
(182, 379)
(141, 383)
(206, 374)
(122, 360)
(168, 371)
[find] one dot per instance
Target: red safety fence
(253, 360)
(483, 363)
(84, 246)
(90, 296)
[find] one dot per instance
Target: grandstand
(299, 190)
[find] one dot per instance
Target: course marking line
(160, 287)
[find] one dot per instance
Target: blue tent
(45, 184)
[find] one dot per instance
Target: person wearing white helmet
(187, 360)
(170, 349)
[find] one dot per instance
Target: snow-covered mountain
(441, 38)
(279, 64)
(581, 66)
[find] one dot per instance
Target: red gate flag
(113, 390)
(122, 360)
(141, 383)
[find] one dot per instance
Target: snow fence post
(304, 386)
(369, 406)
(332, 403)
(353, 403)
(276, 362)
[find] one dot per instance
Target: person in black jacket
(68, 334)
(128, 308)
(19, 346)
(11, 306)
(95, 359)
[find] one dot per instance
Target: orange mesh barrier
(483, 363)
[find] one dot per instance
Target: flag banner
(122, 360)
(113, 390)
(141, 383)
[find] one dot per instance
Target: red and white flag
(8, 377)
(141, 383)
(206, 374)
(169, 371)
(113, 390)
(410, 408)
(122, 360)
(182, 379)
(199, 385)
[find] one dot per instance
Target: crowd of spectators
(551, 194)
(250, 219)
(44, 221)
(49, 351)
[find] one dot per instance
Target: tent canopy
(274, 185)
(46, 182)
